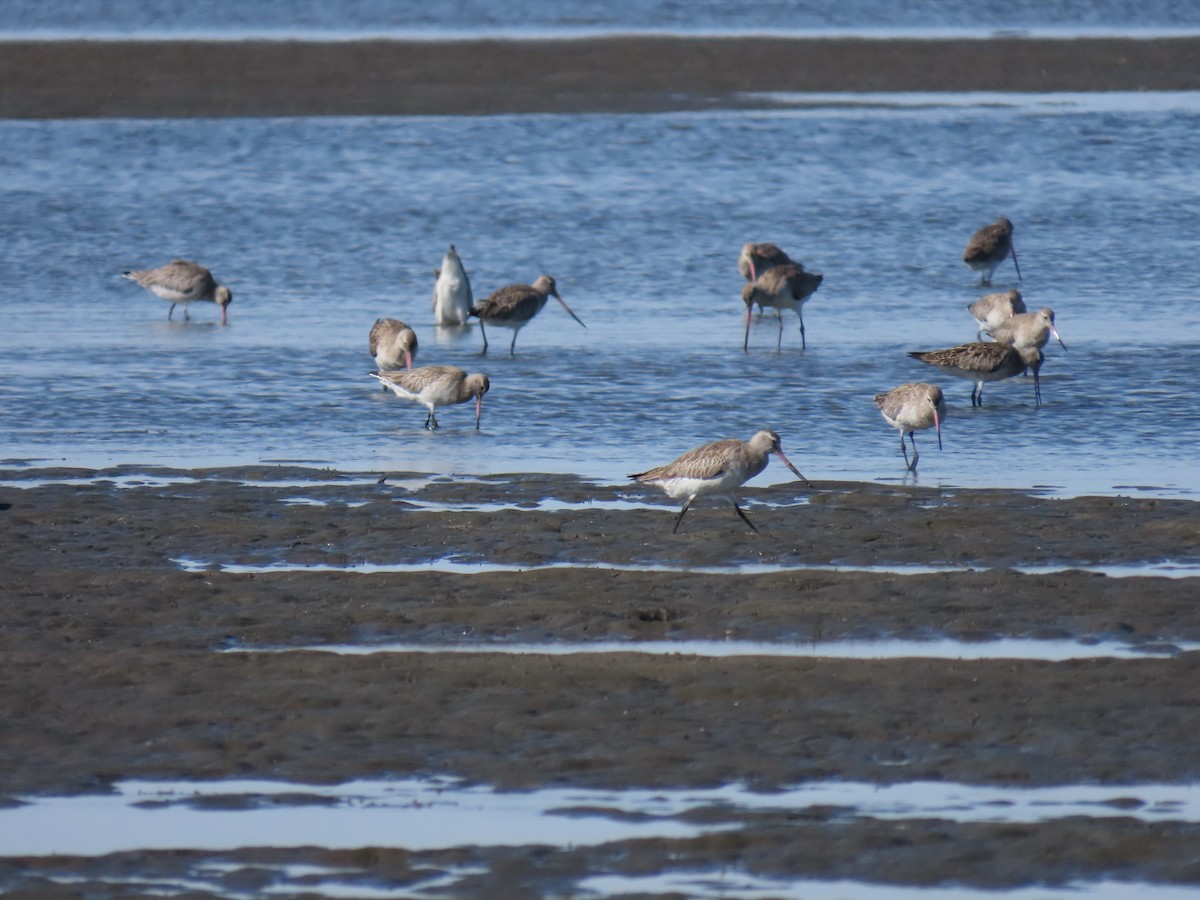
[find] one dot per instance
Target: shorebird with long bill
(515, 306)
(182, 282)
(981, 362)
(717, 469)
(1030, 331)
(912, 407)
(781, 287)
(392, 343)
(990, 246)
(434, 386)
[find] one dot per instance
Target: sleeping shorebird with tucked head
(912, 407)
(183, 282)
(434, 386)
(452, 297)
(717, 469)
(993, 310)
(981, 362)
(515, 306)
(392, 343)
(989, 247)
(782, 287)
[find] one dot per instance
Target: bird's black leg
(1037, 388)
(745, 518)
(779, 343)
(803, 343)
(512, 348)
(679, 518)
(170, 312)
(916, 453)
(904, 450)
(483, 331)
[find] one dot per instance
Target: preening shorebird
(515, 306)
(434, 386)
(717, 469)
(452, 297)
(392, 344)
(183, 282)
(993, 310)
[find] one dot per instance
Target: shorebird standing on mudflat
(452, 297)
(993, 310)
(912, 407)
(434, 386)
(782, 287)
(989, 247)
(515, 306)
(981, 362)
(717, 469)
(182, 282)
(1028, 331)
(392, 344)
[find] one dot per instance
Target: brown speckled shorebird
(911, 407)
(393, 344)
(989, 247)
(1030, 331)
(717, 469)
(183, 282)
(783, 287)
(993, 310)
(452, 297)
(434, 386)
(515, 305)
(981, 362)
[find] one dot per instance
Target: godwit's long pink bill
(911, 407)
(183, 282)
(515, 306)
(392, 344)
(755, 259)
(717, 469)
(434, 386)
(990, 246)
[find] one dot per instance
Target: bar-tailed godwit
(783, 287)
(1030, 331)
(911, 407)
(392, 343)
(989, 247)
(758, 258)
(993, 310)
(717, 469)
(980, 362)
(515, 305)
(434, 386)
(183, 282)
(452, 297)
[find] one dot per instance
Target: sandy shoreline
(117, 662)
(65, 79)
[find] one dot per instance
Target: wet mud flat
(136, 607)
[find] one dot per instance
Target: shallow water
(224, 18)
(322, 225)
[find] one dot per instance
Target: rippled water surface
(228, 18)
(322, 225)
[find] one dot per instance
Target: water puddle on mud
(945, 648)
(441, 813)
(455, 566)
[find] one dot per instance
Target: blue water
(239, 18)
(322, 225)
